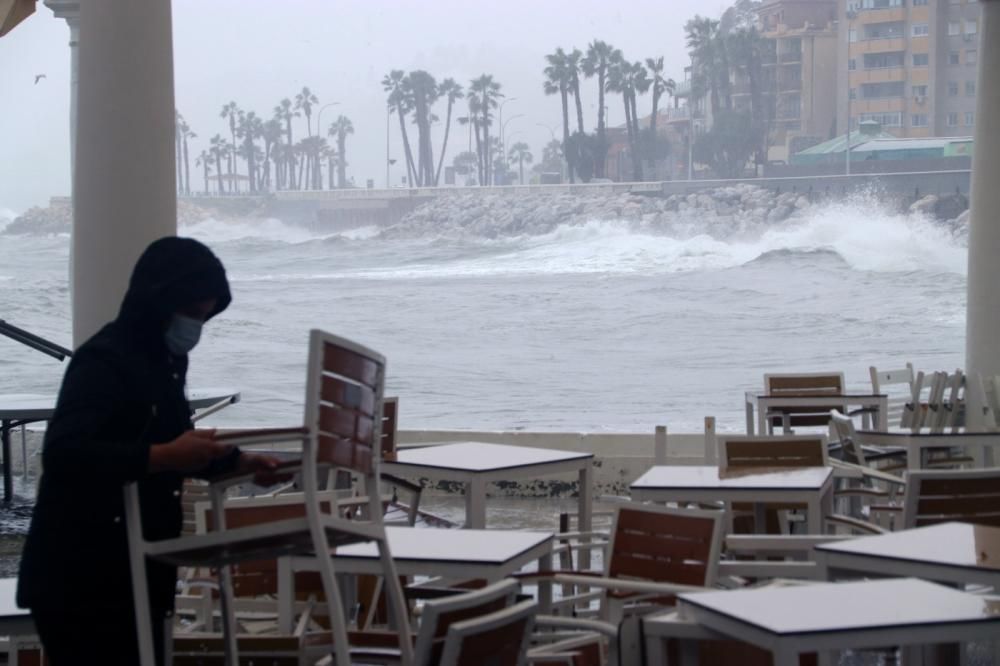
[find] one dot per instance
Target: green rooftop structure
(872, 143)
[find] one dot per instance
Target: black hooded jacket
(122, 393)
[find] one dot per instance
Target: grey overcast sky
(255, 52)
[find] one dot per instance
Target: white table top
(39, 407)
(821, 397)
(836, 607)
(481, 456)
(949, 544)
(710, 477)
(487, 547)
(903, 436)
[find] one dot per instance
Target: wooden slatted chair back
(777, 451)
(897, 385)
(938, 496)
(498, 639)
(438, 615)
(803, 384)
(657, 544)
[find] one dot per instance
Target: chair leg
(140, 589)
(229, 629)
(334, 602)
(397, 603)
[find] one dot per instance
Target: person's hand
(192, 451)
(264, 468)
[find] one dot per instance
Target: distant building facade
(910, 65)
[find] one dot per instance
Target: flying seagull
(38, 77)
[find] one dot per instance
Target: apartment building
(800, 69)
(910, 65)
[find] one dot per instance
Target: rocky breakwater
(57, 217)
(721, 212)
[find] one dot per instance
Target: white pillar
(70, 11)
(124, 192)
(982, 341)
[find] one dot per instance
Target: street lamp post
(503, 134)
(319, 133)
(388, 115)
(848, 14)
(500, 122)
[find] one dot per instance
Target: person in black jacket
(122, 416)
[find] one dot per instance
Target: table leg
(8, 481)
(913, 456)
(475, 504)
(545, 585)
(785, 657)
(823, 508)
(585, 500)
(883, 414)
(749, 413)
(286, 595)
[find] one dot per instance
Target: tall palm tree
(232, 112)
(659, 86)
(486, 93)
(745, 46)
(340, 128)
(704, 42)
(285, 111)
(640, 83)
(396, 85)
(271, 134)
(626, 79)
(453, 92)
(573, 65)
(186, 134)
(304, 101)
(598, 60)
(331, 157)
(250, 128)
(218, 149)
(520, 152)
(557, 80)
(203, 160)
(423, 91)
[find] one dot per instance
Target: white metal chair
(341, 429)
(801, 384)
(897, 385)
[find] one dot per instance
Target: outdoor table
(14, 621)
(915, 442)
(765, 403)
(957, 553)
(835, 616)
(477, 463)
(17, 409)
(812, 486)
(488, 554)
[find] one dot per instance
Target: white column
(70, 11)
(124, 192)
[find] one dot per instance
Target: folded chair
(801, 385)
(341, 430)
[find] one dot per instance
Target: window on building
(970, 118)
(890, 30)
(971, 57)
(953, 119)
(883, 60)
(953, 58)
(883, 90)
(970, 88)
(852, 35)
(920, 30)
(919, 91)
(954, 28)
(917, 3)
(971, 26)
(880, 4)
(953, 89)
(918, 120)
(921, 59)
(852, 64)
(889, 119)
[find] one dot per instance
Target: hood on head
(173, 273)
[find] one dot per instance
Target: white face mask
(182, 334)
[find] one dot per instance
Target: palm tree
(659, 86)
(557, 80)
(520, 152)
(250, 127)
(704, 42)
(305, 101)
(271, 134)
(218, 149)
(331, 156)
(598, 60)
(203, 160)
(745, 46)
(451, 90)
(485, 92)
(640, 85)
(395, 84)
(340, 128)
(186, 134)
(285, 111)
(423, 91)
(232, 112)
(573, 64)
(627, 79)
